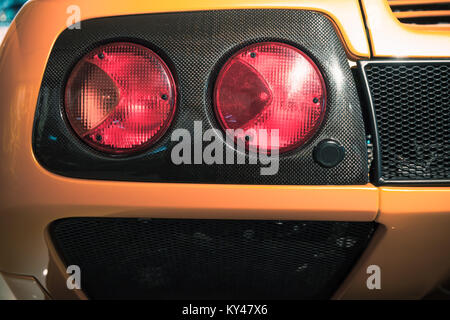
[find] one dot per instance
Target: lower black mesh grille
(209, 259)
(411, 103)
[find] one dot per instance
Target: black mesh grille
(411, 102)
(213, 259)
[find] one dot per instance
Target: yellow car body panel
(415, 220)
(391, 38)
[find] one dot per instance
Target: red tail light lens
(120, 98)
(271, 86)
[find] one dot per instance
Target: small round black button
(328, 153)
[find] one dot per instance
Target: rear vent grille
(427, 12)
(209, 259)
(411, 106)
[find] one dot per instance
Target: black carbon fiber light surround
(209, 259)
(195, 45)
(410, 103)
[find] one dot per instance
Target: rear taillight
(120, 98)
(271, 86)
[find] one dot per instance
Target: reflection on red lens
(271, 86)
(120, 98)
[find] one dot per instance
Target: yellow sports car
(225, 149)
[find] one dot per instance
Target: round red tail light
(271, 86)
(120, 98)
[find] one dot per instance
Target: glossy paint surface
(391, 38)
(415, 221)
